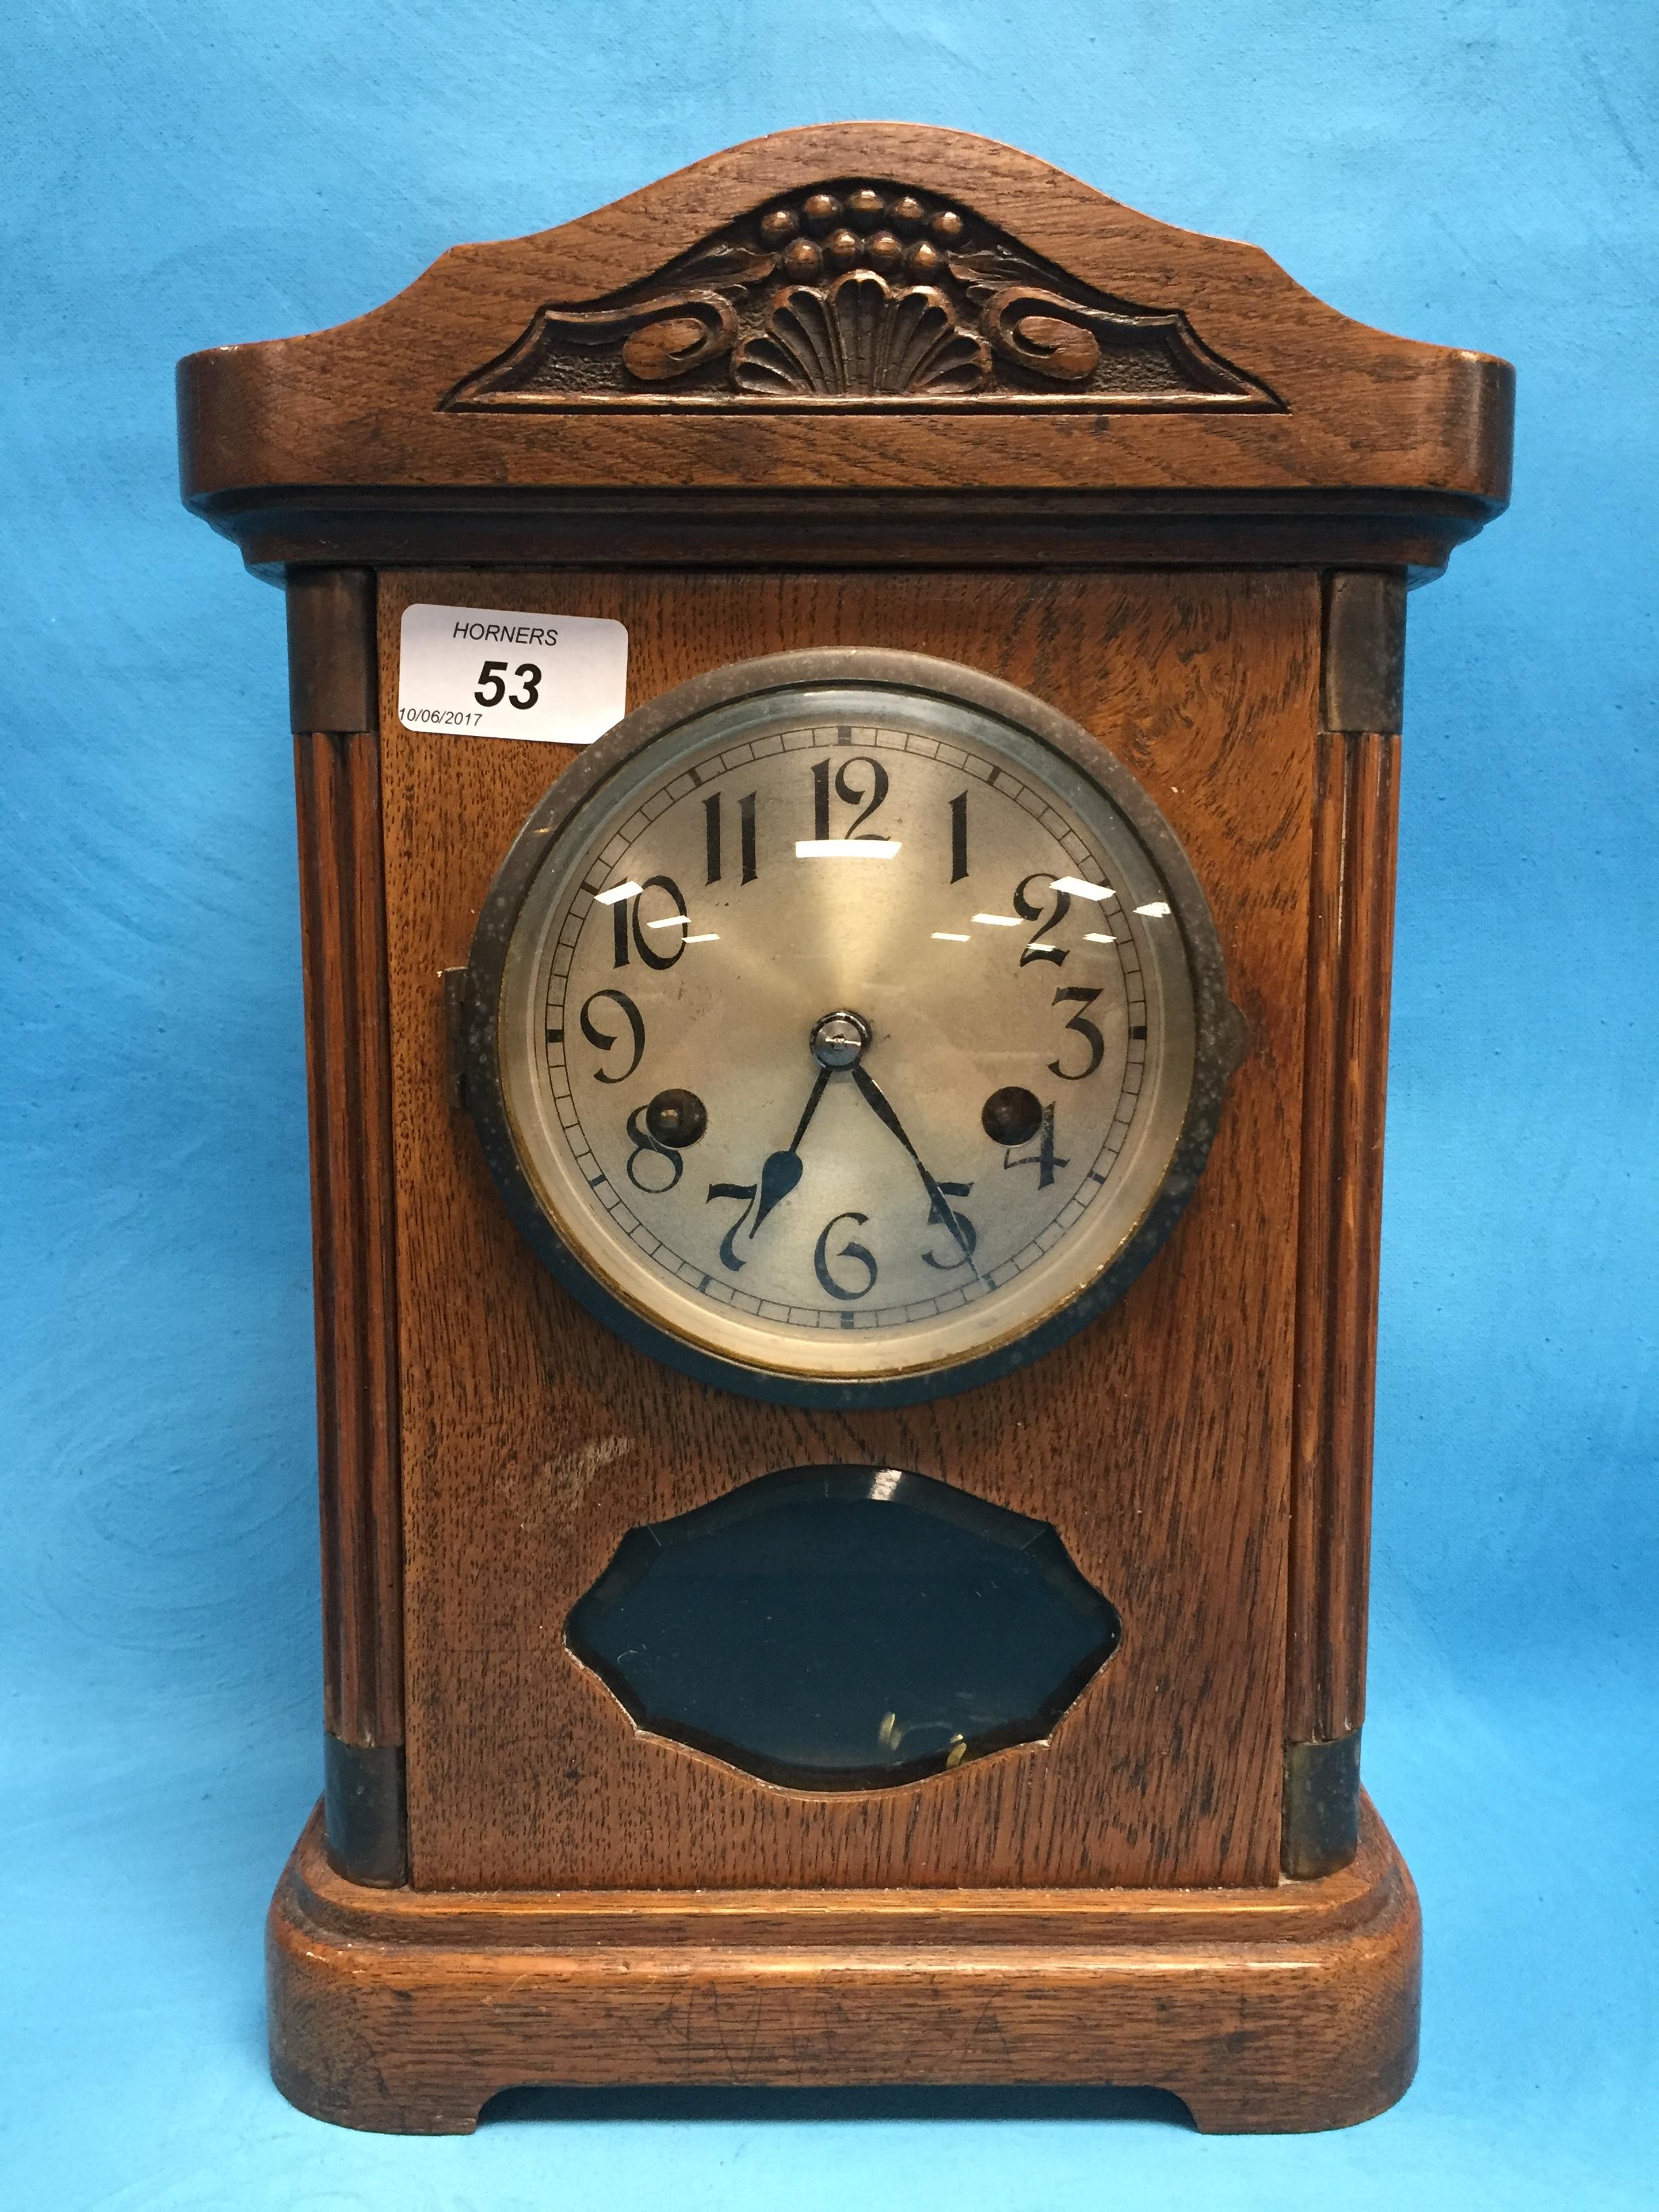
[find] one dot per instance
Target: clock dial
(846, 1033)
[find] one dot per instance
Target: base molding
(1264, 2010)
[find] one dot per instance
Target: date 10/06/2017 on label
(495, 672)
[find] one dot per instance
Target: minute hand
(872, 1091)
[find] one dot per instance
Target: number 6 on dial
(779, 855)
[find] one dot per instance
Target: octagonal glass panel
(845, 1627)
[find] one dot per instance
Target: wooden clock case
(974, 410)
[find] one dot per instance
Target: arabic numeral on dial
(746, 837)
(961, 1255)
(1075, 995)
(713, 825)
(746, 1191)
(958, 837)
(852, 792)
(602, 1039)
(1044, 1159)
(848, 790)
(647, 1147)
(860, 1255)
(711, 834)
(630, 929)
(1048, 916)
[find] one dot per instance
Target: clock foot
(1266, 2011)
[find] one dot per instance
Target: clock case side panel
(1350, 936)
(332, 666)
(332, 675)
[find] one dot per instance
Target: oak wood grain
(1359, 408)
(1158, 1442)
(331, 651)
(1154, 571)
(343, 917)
(1349, 958)
(1297, 2006)
(281, 530)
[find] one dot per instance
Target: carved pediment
(858, 295)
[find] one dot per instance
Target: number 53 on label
(501, 672)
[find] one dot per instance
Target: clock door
(1133, 1482)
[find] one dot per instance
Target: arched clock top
(838, 312)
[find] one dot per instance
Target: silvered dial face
(845, 1034)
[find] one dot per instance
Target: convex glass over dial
(847, 1026)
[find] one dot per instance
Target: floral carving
(863, 294)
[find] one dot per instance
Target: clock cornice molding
(980, 338)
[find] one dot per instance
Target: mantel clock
(846, 717)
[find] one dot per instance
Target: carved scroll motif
(865, 295)
(660, 340)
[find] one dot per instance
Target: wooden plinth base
(1265, 2010)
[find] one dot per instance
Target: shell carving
(859, 337)
(859, 292)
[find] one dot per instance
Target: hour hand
(778, 1177)
(782, 1170)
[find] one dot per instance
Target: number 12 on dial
(873, 1012)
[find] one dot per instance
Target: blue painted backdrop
(1474, 172)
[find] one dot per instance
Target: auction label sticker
(488, 672)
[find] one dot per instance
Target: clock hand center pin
(839, 1039)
